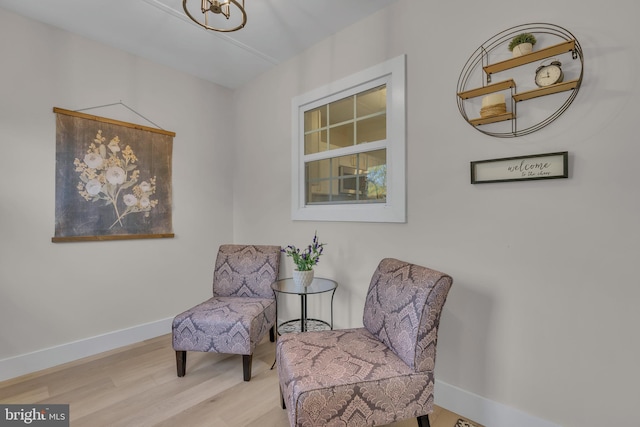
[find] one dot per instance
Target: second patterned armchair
(241, 311)
(375, 375)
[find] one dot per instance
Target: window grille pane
(371, 129)
(377, 175)
(318, 181)
(341, 111)
(315, 119)
(357, 178)
(343, 128)
(341, 136)
(373, 101)
(315, 142)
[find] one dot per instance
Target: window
(349, 148)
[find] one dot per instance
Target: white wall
(53, 294)
(542, 316)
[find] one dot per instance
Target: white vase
(302, 279)
(522, 49)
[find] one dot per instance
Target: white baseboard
(468, 405)
(482, 410)
(46, 358)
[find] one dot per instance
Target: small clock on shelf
(547, 75)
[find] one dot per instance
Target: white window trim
(394, 210)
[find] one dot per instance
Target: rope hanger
(124, 105)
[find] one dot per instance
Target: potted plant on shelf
(522, 44)
(305, 261)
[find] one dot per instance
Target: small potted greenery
(522, 44)
(305, 260)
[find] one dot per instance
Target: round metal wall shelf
(554, 41)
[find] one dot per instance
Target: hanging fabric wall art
(113, 179)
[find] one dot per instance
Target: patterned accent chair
(379, 374)
(240, 312)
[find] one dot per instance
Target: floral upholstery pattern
(242, 309)
(246, 271)
(232, 325)
(403, 308)
(378, 374)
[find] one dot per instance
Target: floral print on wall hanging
(113, 179)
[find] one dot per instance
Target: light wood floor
(137, 386)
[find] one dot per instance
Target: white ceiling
(160, 31)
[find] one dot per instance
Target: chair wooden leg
(282, 404)
(423, 421)
(181, 362)
(272, 334)
(246, 366)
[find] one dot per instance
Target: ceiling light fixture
(216, 15)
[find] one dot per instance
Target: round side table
(318, 286)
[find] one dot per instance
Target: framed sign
(113, 179)
(539, 166)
